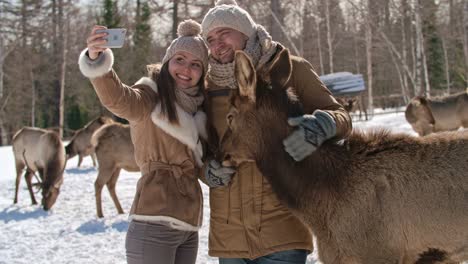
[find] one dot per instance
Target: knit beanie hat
(190, 41)
(227, 13)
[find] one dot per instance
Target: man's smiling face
(223, 43)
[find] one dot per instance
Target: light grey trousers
(149, 243)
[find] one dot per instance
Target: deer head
(259, 107)
(50, 186)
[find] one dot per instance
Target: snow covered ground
(71, 232)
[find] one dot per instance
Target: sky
(72, 233)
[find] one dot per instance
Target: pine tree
(142, 39)
(110, 16)
(433, 45)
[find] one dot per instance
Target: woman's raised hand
(95, 41)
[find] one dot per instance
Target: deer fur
(438, 114)
(39, 150)
(114, 151)
(80, 143)
(373, 198)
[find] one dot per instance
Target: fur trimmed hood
(190, 127)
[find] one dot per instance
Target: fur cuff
(98, 67)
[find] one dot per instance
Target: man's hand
(312, 131)
(217, 175)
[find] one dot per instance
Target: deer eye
(229, 118)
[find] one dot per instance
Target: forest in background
(403, 48)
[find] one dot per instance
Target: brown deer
(354, 103)
(373, 198)
(114, 151)
(80, 143)
(438, 114)
(348, 103)
(39, 150)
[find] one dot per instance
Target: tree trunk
(2, 60)
(319, 46)
(391, 46)
(423, 52)
(175, 18)
(418, 53)
(401, 76)
(329, 35)
(447, 66)
(356, 46)
(63, 68)
(284, 31)
(33, 98)
(369, 56)
(404, 44)
(276, 19)
(465, 39)
(3, 131)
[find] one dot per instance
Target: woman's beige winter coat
(168, 155)
(247, 219)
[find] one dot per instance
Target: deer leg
(104, 176)
(111, 187)
(93, 157)
(19, 168)
(28, 176)
(80, 159)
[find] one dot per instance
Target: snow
(71, 232)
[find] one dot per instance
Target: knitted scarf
(189, 99)
(260, 47)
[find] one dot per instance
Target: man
(248, 224)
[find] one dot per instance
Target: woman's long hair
(166, 91)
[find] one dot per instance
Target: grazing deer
(348, 103)
(439, 114)
(39, 150)
(351, 104)
(373, 198)
(114, 151)
(80, 144)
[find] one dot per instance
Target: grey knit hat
(190, 41)
(227, 13)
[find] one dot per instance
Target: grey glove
(217, 175)
(312, 132)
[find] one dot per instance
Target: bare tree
(447, 66)
(465, 39)
(368, 37)
(329, 35)
(175, 18)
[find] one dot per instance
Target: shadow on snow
(14, 213)
(98, 226)
(77, 170)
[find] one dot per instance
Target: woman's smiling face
(185, 69)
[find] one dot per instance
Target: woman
(166, 126)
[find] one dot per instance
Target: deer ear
(245, 75)
(281, 69)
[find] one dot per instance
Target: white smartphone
(115, 37)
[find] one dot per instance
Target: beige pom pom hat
(227, 13)
(190, 41)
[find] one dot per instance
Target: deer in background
(80, 143)
(39, 150)
(374, 198)
(438, 114)
(114, 151)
